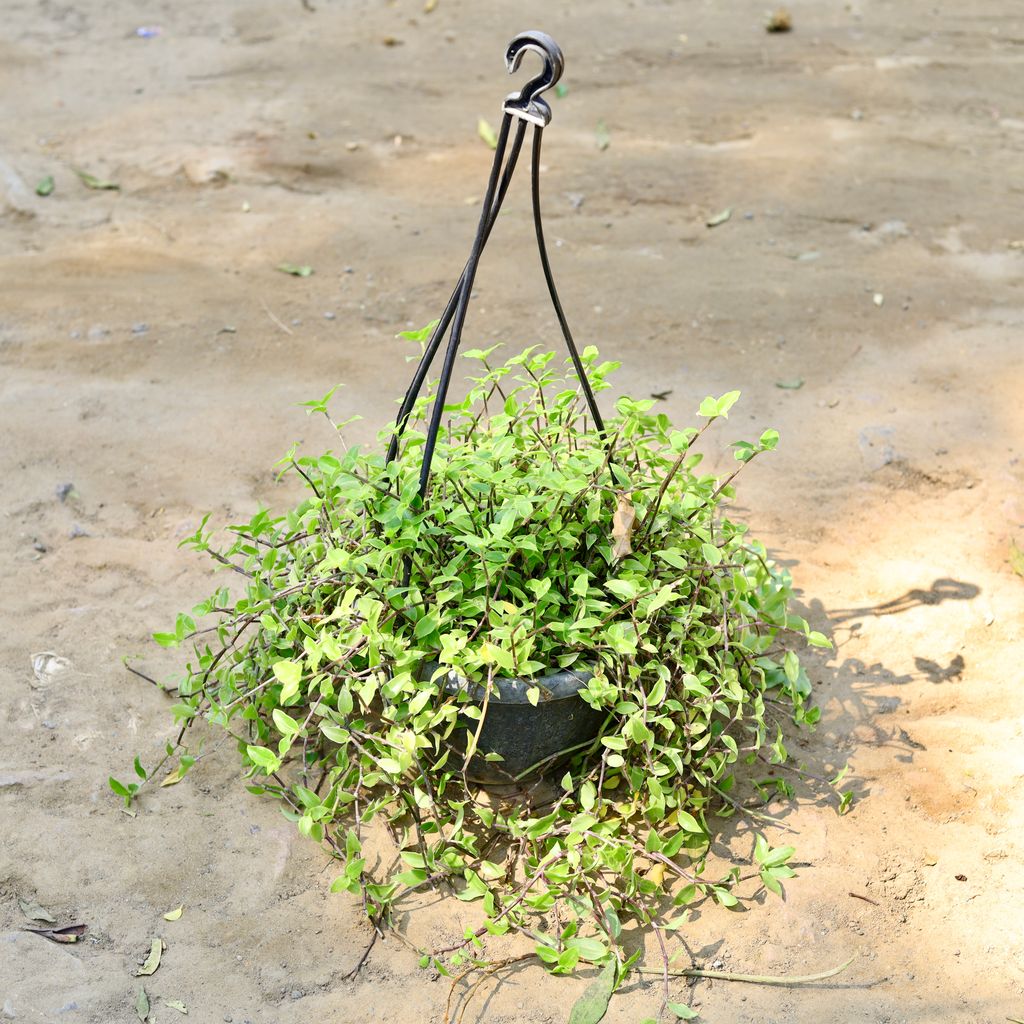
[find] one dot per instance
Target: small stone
(296, 321)
(39, 546)
(63, 490)
(140, 328)
(328, 315)
(98, 332)
(296, 993)
(74, 335)
(77, 531)
(350, 270)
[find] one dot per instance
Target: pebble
(328, 315)
(98, 332)
(63, 490)
(140, 328)
(77, 531)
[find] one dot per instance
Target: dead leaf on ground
(34, 912)
(91, 181)
(68, 934)
(790, 385)
(622, 526)
(142, 1004)
(295, 269)
(602, 136)
(1017, 559)
(176, 1004)
(173, 915)
(719, 218)
(152, 961)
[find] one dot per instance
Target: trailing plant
(543, 544)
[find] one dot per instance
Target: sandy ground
(152, 357)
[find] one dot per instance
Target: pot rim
(554, 686)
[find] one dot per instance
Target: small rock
(8, 1010)
(296, 993)
(328, 315)
(74, 335)
(350, 270)
(140, 328)
(77, 531)
(98, 332)
(575, 199)
(39, 546)
(63, 490)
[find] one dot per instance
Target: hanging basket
(529, 738)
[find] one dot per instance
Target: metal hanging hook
(526, 103)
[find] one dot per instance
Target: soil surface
(865, 294)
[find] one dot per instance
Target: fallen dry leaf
(152, 961)
(142, 1005)
(173, 915)
(68, 934)
(622, 526)
(1017, 559)
(34, 912)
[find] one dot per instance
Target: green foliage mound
(543, 544)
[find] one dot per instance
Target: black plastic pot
(528, 738)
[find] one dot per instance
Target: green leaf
(45, 186)
(285, 723)
(153, 960)
(592, 1006)
(588, 796)
(288, 674)
(119, 788)
(769, 440)
(176, 1004)
(688, 822)
(533, 695)
(420, 335)
(719, 218)
(791, 666)
(175, 914)
(726, 402)
(682, 1011)
(486, 132)
(263, 758)
(602, 137)
(139, 770)
(624, 589)
(295, 269)
(91, 181)
(816, 639)
(142, 1005)
(712, 554)
(792, 384)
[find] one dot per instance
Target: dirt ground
(152, 357)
